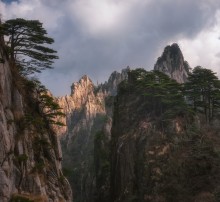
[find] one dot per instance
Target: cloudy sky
(96, 37)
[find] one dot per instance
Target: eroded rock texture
(87, 134)
(173, 64)
(88, 121)
(160, 159)
(30, 160)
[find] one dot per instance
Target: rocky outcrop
(159, 159)
(86, 102)
(88, 123)
(82, 101)
(84, 94)
(110, 87)
(88, 112)
(173, 64)
(30, 159)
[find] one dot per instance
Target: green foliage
(41, 147)
(22, 158)
(46, 104)
(43, 108)
(190, 167)
(163, 96)
(172, 165)
(26, 44)
(62, 179)
(39, 166)
(40, 142)
(20, 199)
(102, 165)
(203, 92)
(36, 120)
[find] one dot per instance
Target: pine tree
(44, 103)
(164, 96)
(26, 45)
(203, 91)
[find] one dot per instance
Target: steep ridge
(82, 97)
(156, 157)
(84, 94)
(173, 64)
(30, 160)
(88, 112)
(159, 159)
(109, 88)
(86, 138)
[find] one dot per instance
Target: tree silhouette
(26, 45)
(44, 103)
(163, 93)
(203, 91)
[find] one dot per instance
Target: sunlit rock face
(88, 111)
(28, 168)
(90, 99)
(173, 64)
(81, 100)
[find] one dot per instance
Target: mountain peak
(110, 86)
(85, 78)
(173, 64)
(84, 84)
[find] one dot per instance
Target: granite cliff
(88, 111)
(30, 154)
(160, 150)
(173, 64)
(86, 138)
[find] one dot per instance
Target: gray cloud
(135, 34)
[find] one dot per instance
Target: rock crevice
(29, 169)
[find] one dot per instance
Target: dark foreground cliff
(160, 150)
(30, 154)
(157, 150)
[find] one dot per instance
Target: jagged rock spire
(173, 64)
(110, 86)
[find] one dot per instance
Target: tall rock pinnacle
(88, 112)
(173, 64)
